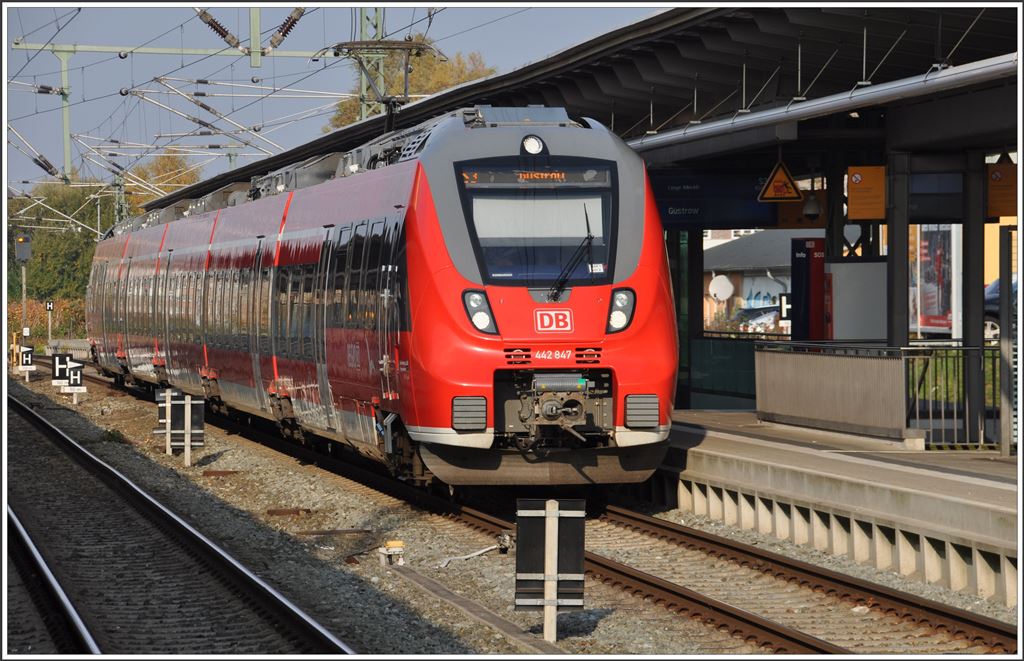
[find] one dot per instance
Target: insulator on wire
(218, 28)
(46, 165)
(286, 27)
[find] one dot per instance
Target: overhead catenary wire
(40, 50)
(476, 27)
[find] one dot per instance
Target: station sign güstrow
(780, 186)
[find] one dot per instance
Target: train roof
(392, 147)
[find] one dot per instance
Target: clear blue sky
(507, 37)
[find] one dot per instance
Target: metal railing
(79, 349)
(884, 391)
(936, 397)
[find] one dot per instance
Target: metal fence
(925, 394)
(79, 349)
(936, 396)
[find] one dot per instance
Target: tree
(429, 74)
(167, 172)
(61, 255)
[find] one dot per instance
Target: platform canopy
(705, 64)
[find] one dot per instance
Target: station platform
(948, 517)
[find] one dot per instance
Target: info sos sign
(552, 321)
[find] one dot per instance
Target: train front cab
(539, 391)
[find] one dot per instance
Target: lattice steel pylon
(371, 28)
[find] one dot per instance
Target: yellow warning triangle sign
(780, 186)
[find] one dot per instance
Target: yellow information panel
(865, 192)
(1002, 189)
(780, 186)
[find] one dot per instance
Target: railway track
(128, 575)
(57, 618)
(853, 613)
(896, 619)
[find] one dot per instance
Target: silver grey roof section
(982, 71)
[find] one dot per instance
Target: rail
(24, 552)
(288, 614)
(999, 636)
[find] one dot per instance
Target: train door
(336, 333)
(259, 333)
(99, 310)
(387, 299)
(161, 286)
(324, 294)
(373, 278)
(121, 310)
(170, 311)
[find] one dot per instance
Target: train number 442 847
(552, 354)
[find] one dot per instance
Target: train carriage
(481, 299)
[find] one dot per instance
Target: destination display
(546, 177)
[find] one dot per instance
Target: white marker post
(49, 324)
(73, 384)
(551, 570)
(167, 420)
(188, 430)
(25, 361)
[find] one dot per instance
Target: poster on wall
(934, 281)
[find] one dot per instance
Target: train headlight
(479, 311)
(620, 313)
(533, 145)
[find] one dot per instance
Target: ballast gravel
(322, 553)
(841, 564)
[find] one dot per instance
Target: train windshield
(528, 223)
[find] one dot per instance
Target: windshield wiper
(583, 248)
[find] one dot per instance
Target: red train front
(482, 299)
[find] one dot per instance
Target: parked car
(992, 307)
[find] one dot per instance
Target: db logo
(552, 321)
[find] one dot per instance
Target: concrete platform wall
(961, 544)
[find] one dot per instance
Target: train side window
(372, 279)
(176, 310)
(401, 281)
(355, 277)
(308, 309)
(223, 310)
(339, 269)
(209, 303)
(195, 321)
(188, 303)
(264, 297)
(231, 323)
(295, 312)
(218, 312)
(244, 300)
(281, 311)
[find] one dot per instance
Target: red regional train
(482, 299)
